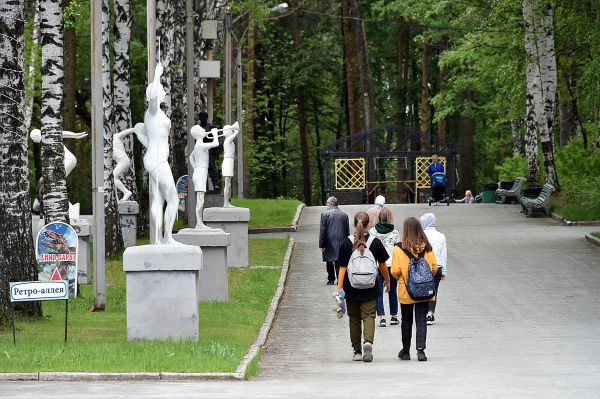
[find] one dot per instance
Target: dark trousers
(393, 294)
(332, 270)
(420, 313)
(438, 278)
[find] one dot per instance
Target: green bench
(514, 193)
(541, 202)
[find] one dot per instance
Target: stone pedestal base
(235, 222)
(212, 279)
(162, 291)
(83, 228)
(128, 211)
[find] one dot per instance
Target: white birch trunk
(33, 60)
(121, 78)
(112, 231)
(533, 95)
(56, 204)
(516, 138)
(548, 73)
(17, 257)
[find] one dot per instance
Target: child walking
(389, 236)
(360, 257)
(414, 245)
(438, 243)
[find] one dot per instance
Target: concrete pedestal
(212, 279)
(235, 222)
(128, 211)
(162, 291)
(83, 228)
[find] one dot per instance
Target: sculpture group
(153, 134)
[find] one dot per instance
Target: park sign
(182, 186)
(22, 291)
(56, 254)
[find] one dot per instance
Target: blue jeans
(393, 295)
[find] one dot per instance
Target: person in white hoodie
(438, 242)
(384, 230)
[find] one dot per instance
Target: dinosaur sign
(56, 254)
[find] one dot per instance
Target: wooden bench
(514, 193)
(541, 202)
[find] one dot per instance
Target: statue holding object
(230, 132)
(199, 159)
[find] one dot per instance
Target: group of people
(376, 239)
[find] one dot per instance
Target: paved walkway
(519, 315)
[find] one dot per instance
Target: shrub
(511, 168)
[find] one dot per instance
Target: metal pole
(189, 77)
(228, 67)
(151, 44)
(66, 317)
(240, 142)
(98, 155)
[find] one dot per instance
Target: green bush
(511, 168)
(577, 168)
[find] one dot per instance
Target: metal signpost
(25, 291)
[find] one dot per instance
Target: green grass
(97, 341)
(576, 213)
(266, 251)
(597, 235)
(269, 212)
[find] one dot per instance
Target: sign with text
(22, 291)
(56, 254)
(182, 186)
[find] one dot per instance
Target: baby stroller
(439, 183)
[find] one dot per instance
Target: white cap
(380, 200)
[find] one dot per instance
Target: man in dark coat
(334, 230)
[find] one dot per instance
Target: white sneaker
(357, 357)
(367, 352)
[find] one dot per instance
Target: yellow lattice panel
(421, 166)
(350, 174)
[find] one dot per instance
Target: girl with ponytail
(361, 303)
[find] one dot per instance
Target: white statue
(199, 161)
(122, 160)
(69, 161)
(230, 133)
(154, 135)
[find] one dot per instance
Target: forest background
(327, 69)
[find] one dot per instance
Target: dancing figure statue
(199, 159)
(69, 161)
(230, 133)
(122, 160)
(154, 135)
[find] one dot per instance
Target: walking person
(335, 228)
(361, 257)
(373, 212)
(414, 246)
(438, 243)
(386, 233)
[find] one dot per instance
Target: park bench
(541, 202)
(506, 196)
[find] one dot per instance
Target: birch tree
(17, 258)
(112, 225)
(121, 79)
(541, 85)
(56, 204)
(33, 62)
(164, 46)
(178, 159)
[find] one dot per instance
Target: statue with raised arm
(199, 159)
(230, 132)
(154, 135)
(122, 160)
(69, 160)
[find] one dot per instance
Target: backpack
(362, 269)
(421, 284)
